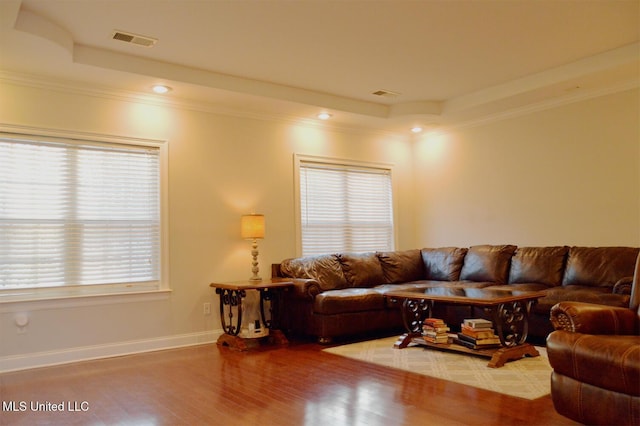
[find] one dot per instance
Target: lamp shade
(252, 226)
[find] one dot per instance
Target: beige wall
(220, 167)
(567, 175)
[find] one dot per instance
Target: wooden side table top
(254, 285)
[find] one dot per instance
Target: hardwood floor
(211, 385)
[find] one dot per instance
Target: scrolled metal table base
(231, 301)
(231, 318)
(511, 321)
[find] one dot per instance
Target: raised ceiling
(447, 61)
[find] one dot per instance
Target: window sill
(31, 302)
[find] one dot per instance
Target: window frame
(341, 162)
(99, 293)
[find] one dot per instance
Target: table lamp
(252, 228)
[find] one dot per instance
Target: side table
(231, 295)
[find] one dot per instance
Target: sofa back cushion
(362, 269)
(599, 266)
(325, 269)
(443, 264)
(401, 266)
(487, 263)
(543, 265)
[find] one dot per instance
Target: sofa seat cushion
(443, 264)
(487, 263)
(362, 269)
(325, 269)
(401, 266)
(348, 300)
(599, 266)
(576, 293)
(607, 361)
(538, 265)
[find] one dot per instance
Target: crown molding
(543, 105)
(372, 116)
(103, 92)
(604, 61)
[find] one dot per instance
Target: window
(78, 215)
(344, 207)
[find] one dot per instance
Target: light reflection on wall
(147, 119)
(308, 139)
(432, 148)
(237, 200)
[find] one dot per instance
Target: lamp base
(254, 264)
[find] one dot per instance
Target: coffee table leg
(404, 340)
(512, 322)
(502, 355)
(414, 312)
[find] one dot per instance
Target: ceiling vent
(385, 93)
(136, 39)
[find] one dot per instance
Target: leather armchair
(595, 356)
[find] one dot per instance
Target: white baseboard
(85, 353)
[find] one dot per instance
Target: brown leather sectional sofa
(344, 294)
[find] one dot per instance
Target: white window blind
(345, 208)
(78, 213)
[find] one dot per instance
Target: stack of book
(435, 330)
(477, 333)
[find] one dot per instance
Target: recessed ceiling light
(324, 116)
(416, 129)
(161, 89)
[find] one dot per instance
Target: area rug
(527, 378)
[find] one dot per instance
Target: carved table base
(512, 353)
(237, 343)
(231, 297)
(510, 312)
(499, 356)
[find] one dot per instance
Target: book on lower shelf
(485, 341)
(477, 333)
(477, 323)
(472, 345)
(438, 339)
(435, 330)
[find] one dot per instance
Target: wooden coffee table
(509, 310)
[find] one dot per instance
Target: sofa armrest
(590, 318)
(623, 286)
(306, 289)
(303, 288)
